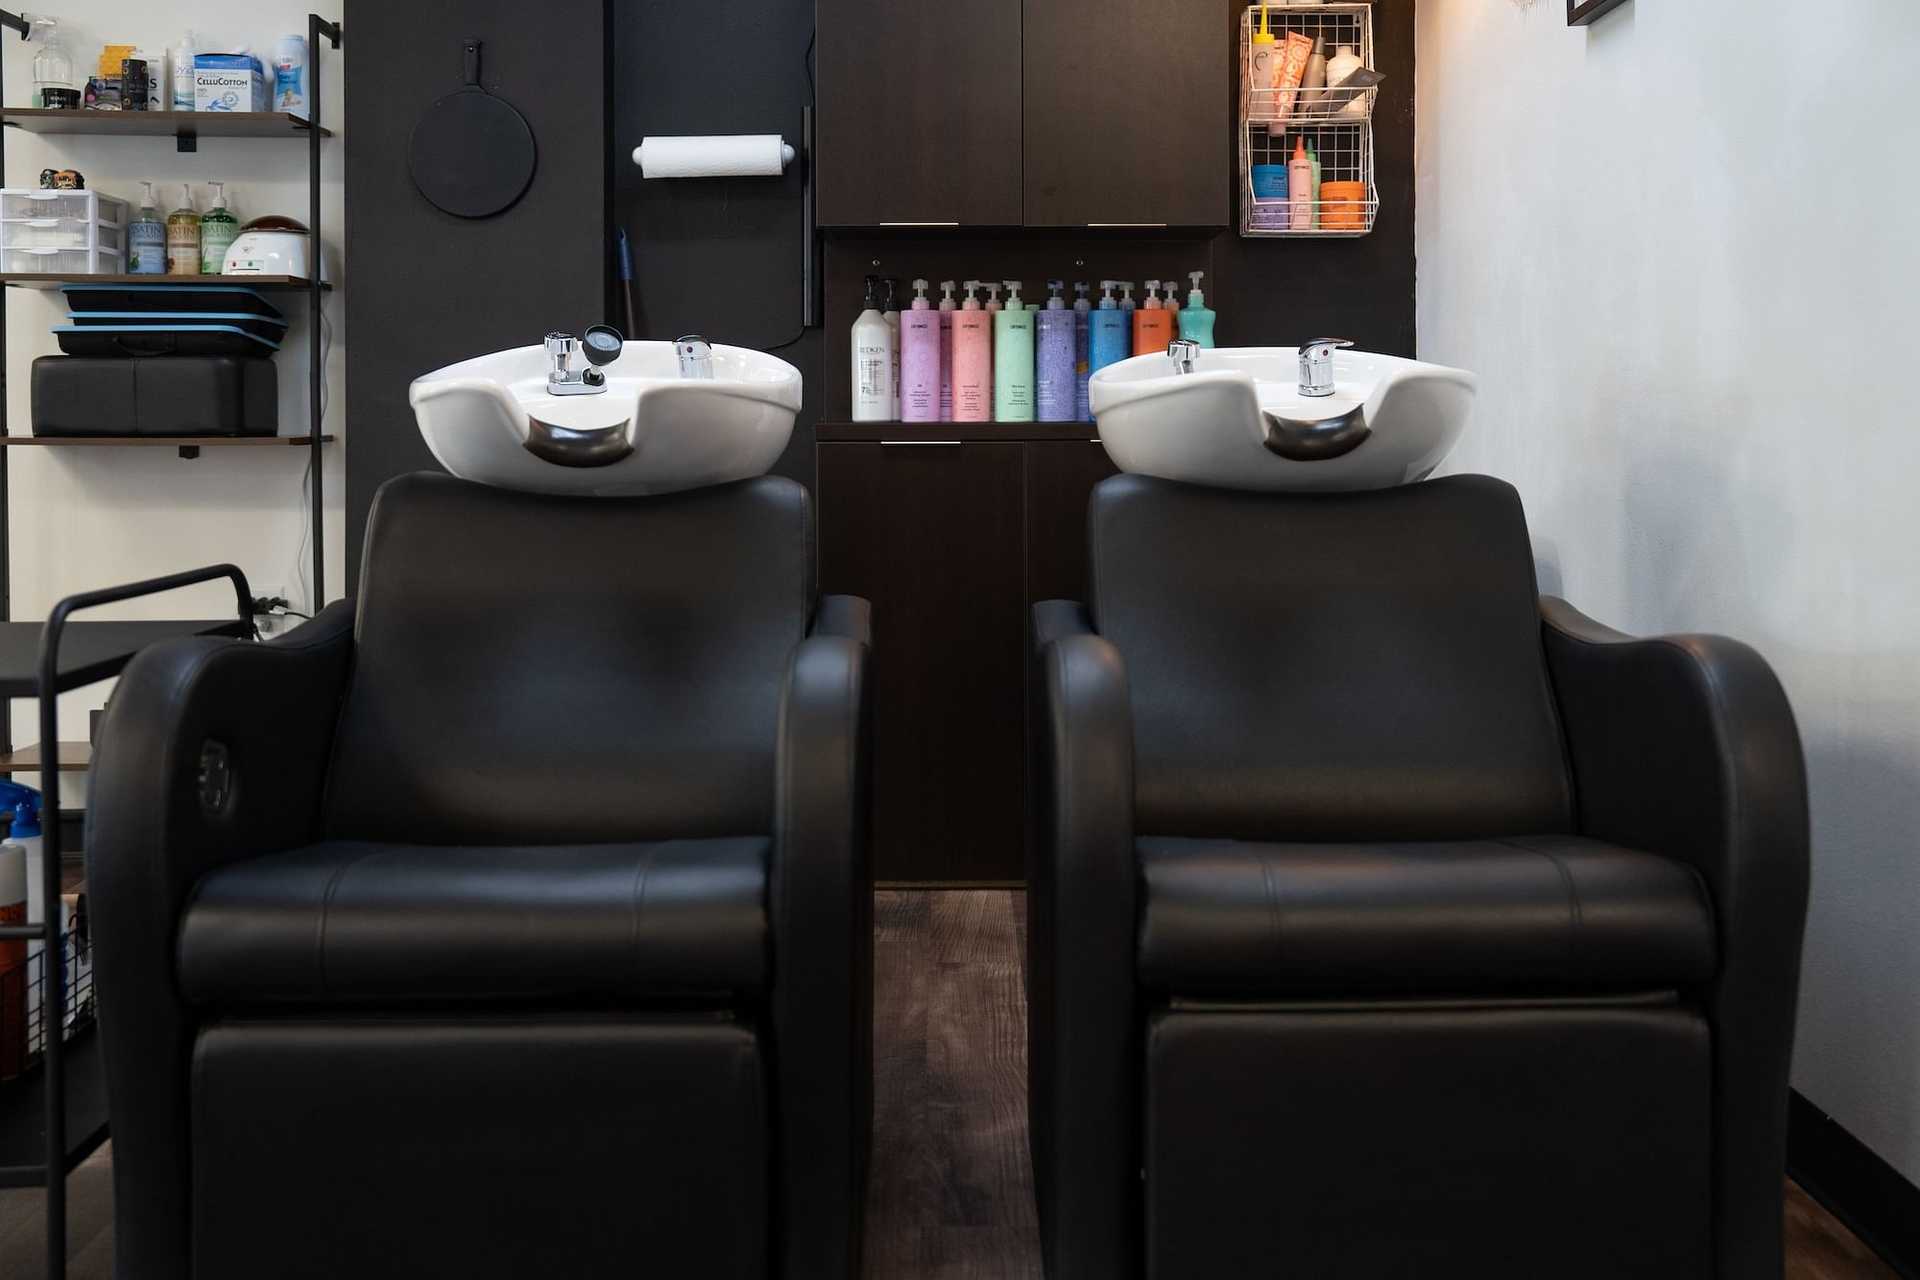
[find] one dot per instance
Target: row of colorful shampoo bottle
(991, 361)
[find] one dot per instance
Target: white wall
(1680, 249)
(82, 518)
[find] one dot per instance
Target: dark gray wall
(423, 288)
(719, 257)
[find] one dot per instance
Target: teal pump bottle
(1110, 337)
(1013, 359)
(1196, 318)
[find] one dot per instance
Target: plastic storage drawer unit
(170, 396)
(62, 232)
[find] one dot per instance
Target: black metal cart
(66, 1091)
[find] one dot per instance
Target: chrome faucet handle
(561, 349)
(696, 356)
(1183, 352)
(1316, 365)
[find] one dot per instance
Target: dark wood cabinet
(953, 543)
(932, 534)
(1038, 113)
(1127, 112)
(919, 112)
(1060, 476)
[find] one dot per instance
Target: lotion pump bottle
(183, 237)
(1172, 302)
(872, 360)
(920, 359)
(1013, 360)
(1082, 337)
(946, 350)
(972, 360)
(1053, 359)
(147, 238)
(993, 300)
(1300, 186)
(1151, 329)
(1196, 318)
(1111, 332)
(891, 314)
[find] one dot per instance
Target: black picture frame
(1581, 12)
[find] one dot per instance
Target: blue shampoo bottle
(1111, 338)
(1082, 336)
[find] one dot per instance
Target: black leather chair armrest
(1685, 746)
(1083, 1030)
(847, 616)
(820, 903)
(269, 711)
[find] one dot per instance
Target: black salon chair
(1391, 921)
(516, 923)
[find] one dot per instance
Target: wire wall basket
(23, 1003)
(1335, 123)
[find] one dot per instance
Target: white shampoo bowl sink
(651, 431)
(1238, 420)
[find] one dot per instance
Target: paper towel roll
(744, 155)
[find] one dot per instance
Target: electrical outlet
(266, 619)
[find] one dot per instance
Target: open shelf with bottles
(1279, 118)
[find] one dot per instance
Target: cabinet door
(931, 534)
(1127, 112)
(919, 112)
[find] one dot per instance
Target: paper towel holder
(809, 246)
(787, 157)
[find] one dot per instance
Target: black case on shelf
(168, 396)
(131, 341)
(172, 298)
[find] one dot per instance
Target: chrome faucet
(1183, 352)
(1316, 365)
(566, 376)
(696, 356)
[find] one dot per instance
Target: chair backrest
(1330, 667)
(535, 669)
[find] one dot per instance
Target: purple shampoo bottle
(920, 359)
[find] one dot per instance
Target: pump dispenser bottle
(891, 314)
(1152, 328)
(1053, 359)
(147, 238)
(1196, 318)
(1126, 301)
(872, 360)
(1172, 303)
(1082, 336)
(183, 237)
(993, 299)
(1013, 360)
(972, 360)
(1111, 333)
(920, 359)
(946, 350)
(218, 229)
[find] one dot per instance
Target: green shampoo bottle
(1196, 318)
(1013, 359)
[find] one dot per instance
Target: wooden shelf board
(160, 124)
(73, 757)
(52, 280)
(161, 442)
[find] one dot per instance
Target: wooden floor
(951, 1197)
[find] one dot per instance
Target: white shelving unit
(1338, 126)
